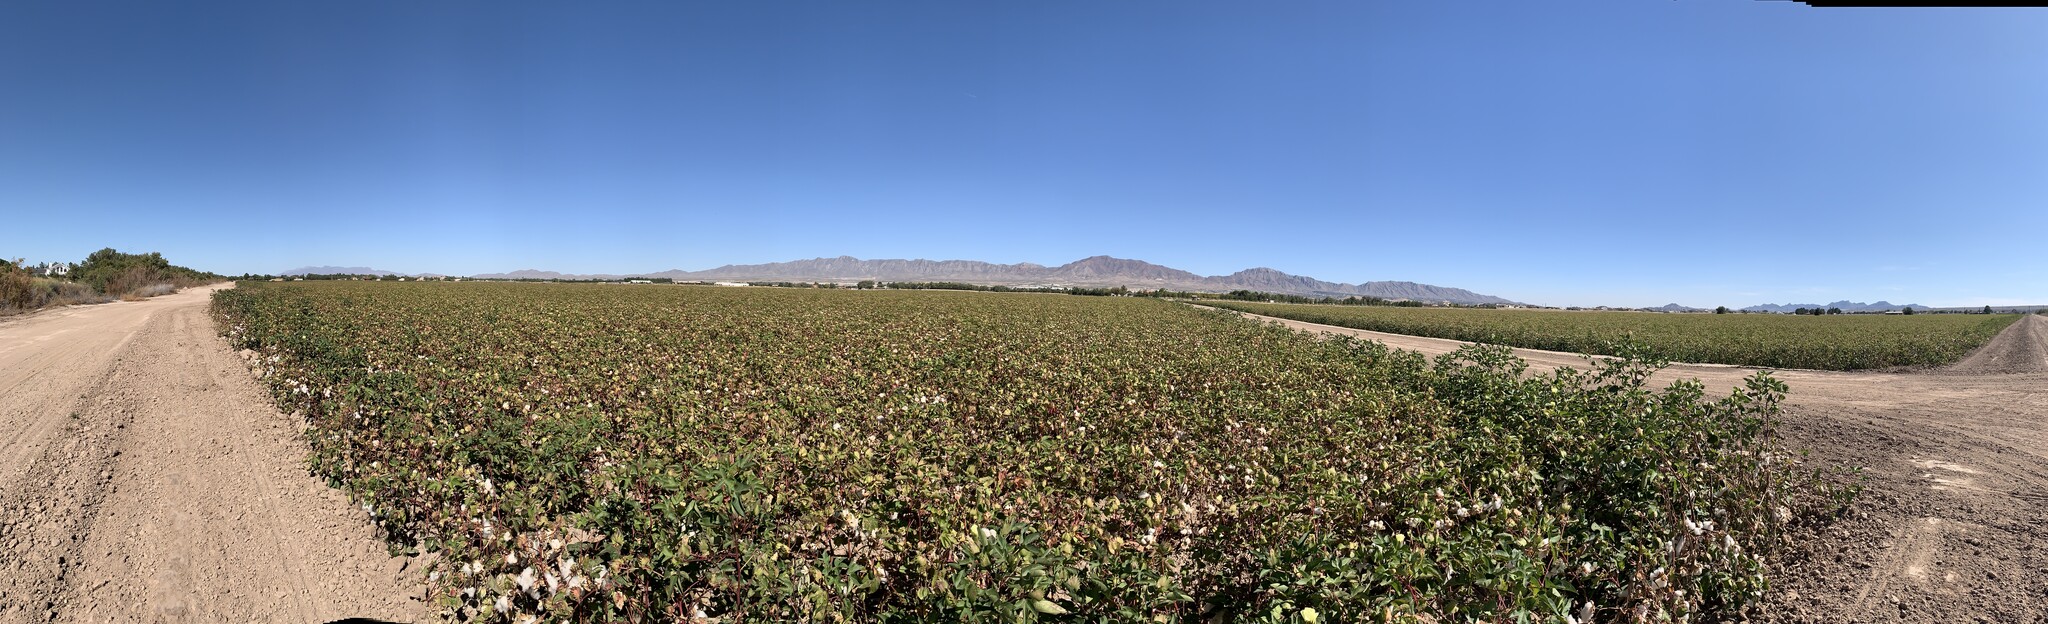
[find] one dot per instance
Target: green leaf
(1047, 607)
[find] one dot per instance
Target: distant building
(732, 283)
(639, 281)
(56, 269)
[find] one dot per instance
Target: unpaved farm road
(146, 477)
(1953, 523)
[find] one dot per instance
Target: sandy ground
(145, 476)
(1953, 523)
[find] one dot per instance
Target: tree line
(103, 276)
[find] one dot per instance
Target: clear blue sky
(1620, 152)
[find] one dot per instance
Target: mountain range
(1096, 271)
(1846, 306)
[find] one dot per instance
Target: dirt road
(1953, 523)
(145, 476)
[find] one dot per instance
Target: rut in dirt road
(151, 480)
(2020, 349)
(1952, 525)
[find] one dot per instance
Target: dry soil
(146, 477)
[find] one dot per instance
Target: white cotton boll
(504, 604)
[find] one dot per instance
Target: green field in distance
(1829, 342)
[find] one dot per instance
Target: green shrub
(17, 288)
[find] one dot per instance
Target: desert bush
(20, 291)
(151, 290)
(592, 454)
(65, 292)
(17, 289)
(131, 280)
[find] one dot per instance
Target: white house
(55, 269)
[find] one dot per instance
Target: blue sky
(1620, 152)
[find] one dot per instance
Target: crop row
(1840, 342)
(598, 453)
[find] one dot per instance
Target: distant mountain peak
(1673, 307)
(1846, 306)
(1092, 271)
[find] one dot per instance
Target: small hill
(1673, 307)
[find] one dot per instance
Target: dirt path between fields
(1953, 523)
(145, 476)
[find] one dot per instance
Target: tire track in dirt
(178, 493)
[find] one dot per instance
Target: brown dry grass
(21, 292)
